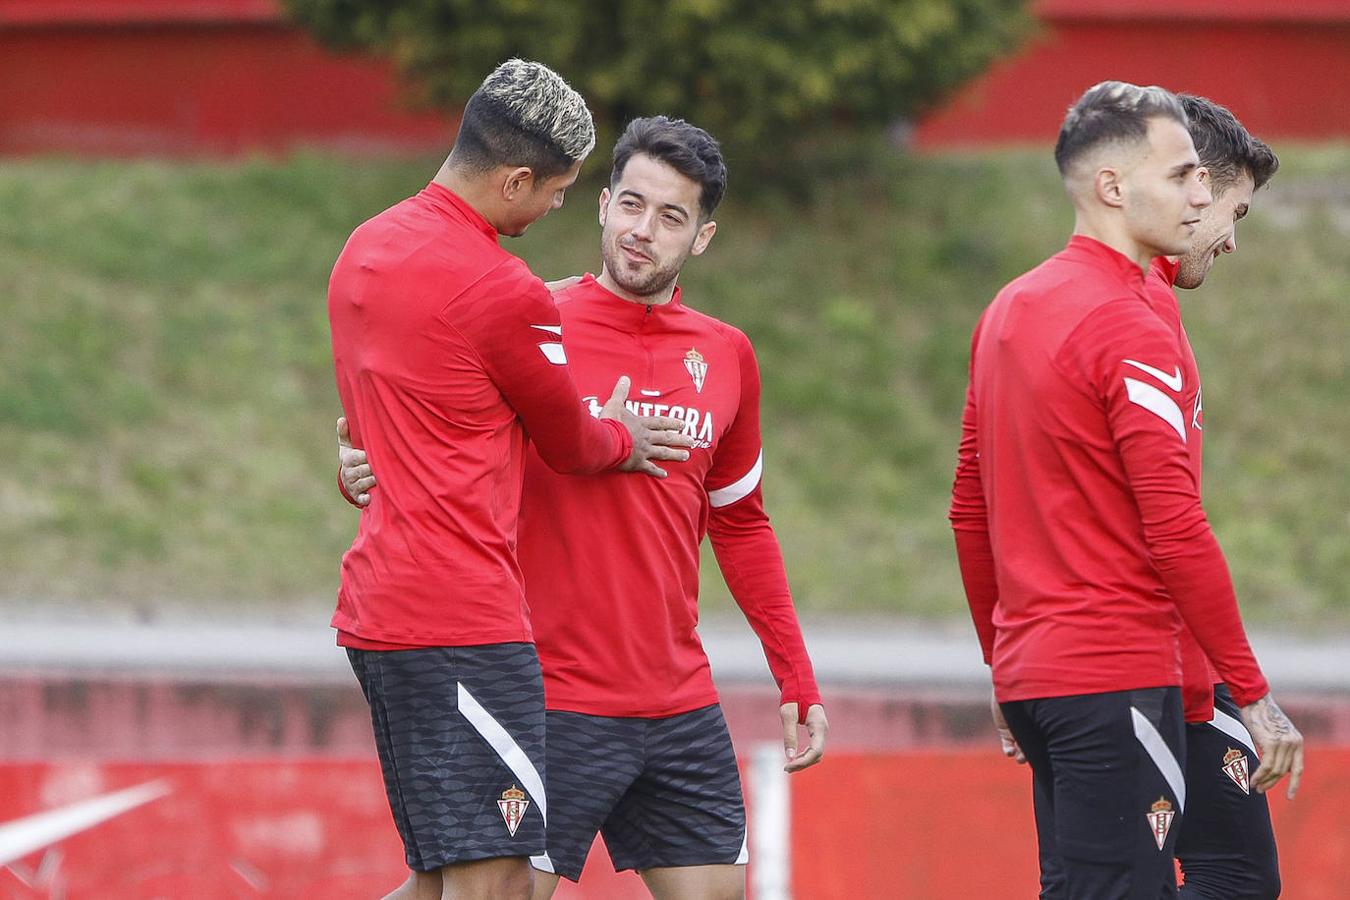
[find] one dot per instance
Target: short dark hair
(1225, 147)
(1112, 111)
(686, 148)
(524, 114)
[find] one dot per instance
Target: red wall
(183, 77)
(937, 825)
(275, 792)
(1282, 67)
(191, 77)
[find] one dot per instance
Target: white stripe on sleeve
(742, 487)
(1158, 403)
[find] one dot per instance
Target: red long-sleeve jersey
(1082, 542)
(447, 351)
(611, 564)
(1197, 675)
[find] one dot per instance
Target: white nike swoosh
(551, 329)
(1172, 381)
(22, 836)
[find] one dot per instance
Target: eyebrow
(1184, 168)
(673, 206)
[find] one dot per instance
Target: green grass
(166, 395)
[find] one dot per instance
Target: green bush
(770, 80)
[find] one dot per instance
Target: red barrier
(184, 77)
(1283, 68)
(952, 825)
(928, 825)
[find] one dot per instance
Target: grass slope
(166, 397)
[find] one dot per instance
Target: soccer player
(1082, 541)
(1226, 845)
(637, 747)
(447, 353)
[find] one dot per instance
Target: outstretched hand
(654, 437)
(353, 470)
(817, 728)
(1279, 742)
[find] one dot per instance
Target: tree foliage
(766, 78)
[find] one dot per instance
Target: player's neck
(476, 191)
(1116, 237)
(660, 298)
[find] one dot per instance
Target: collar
(453, 206)
(1098, 255)
(622, 313)
(1168, 269)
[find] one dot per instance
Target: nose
(1230, 245)
(642, 228)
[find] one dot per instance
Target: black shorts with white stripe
(1109, 790)
(1226, 847)
(663, 792)
(460, 735)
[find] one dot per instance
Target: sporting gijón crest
(697, 367)
(1235, 767)
(1160, 818)
(513, 805)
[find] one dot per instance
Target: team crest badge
(513, 805)
(697, 367)
(1160, 820)
(1235, 767)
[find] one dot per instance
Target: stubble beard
(649, 285)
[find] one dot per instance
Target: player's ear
(517, 181)
(604, 205)
(1109, 186)
(704, 235)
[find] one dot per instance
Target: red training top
(611, 564)
(1197, 675)
(447, 351)
(1076, 506)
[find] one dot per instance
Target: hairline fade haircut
(1226, 148)
(686, 148)
(524, 114)
(1112, 111)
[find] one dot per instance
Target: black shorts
(1109, 790)
(662, 792)
(460, 734)
(1226, 847)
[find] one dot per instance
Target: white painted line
(23, 836)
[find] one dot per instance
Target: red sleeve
(518, 335)
(1133, 362)
(970, 523)
(747, 549)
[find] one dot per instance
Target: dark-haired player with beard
(1226, 845)
(637, 747)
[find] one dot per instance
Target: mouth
(635, 255)
(1191, 222)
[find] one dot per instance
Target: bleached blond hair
(525, 114)
(1112, 111)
